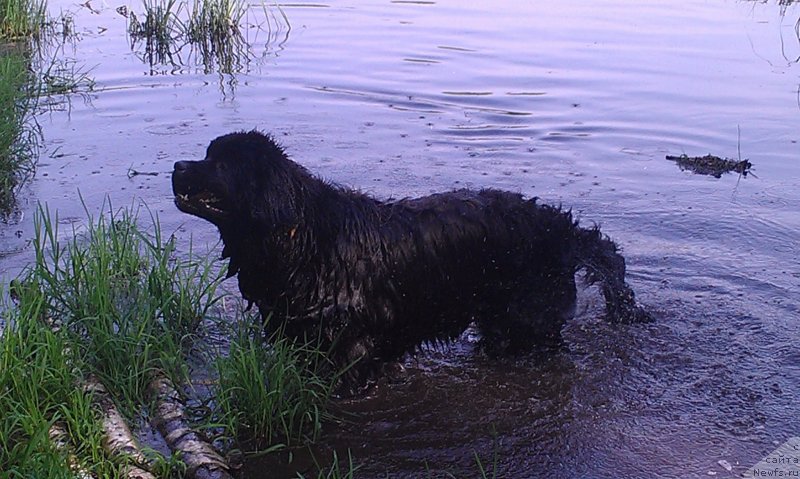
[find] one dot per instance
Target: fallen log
(202, 461)
(60, 439)
(118, 439)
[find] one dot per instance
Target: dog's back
(499, 259)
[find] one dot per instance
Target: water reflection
(222, 36)
(788, 33)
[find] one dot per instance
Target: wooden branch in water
(118, 439)
(202, 461)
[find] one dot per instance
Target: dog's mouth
(204, 204)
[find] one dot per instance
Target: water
(574, 102)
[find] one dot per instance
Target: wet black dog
(375, 279)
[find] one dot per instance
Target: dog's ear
(278, 194)
(276, 209)
(272, 191)
(233, 264)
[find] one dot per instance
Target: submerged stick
(202, 461)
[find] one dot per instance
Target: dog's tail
(604, 265)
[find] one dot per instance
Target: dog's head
(244, 176)
(249, 189)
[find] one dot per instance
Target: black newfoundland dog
(375, 279)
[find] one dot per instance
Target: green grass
(214, 30)
(131, 305)
(27, 74)
(160, 28)
(114, 301)
(271, 392)
(18, 142)
(484, 472)
(37, 390)
(213, 21)
(337, 469)
(20, 19)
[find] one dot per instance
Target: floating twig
(132, 173)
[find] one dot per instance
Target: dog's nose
(181, 165)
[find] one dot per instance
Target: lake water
(574, 102)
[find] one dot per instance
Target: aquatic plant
(102, 320)
(114, 303)
(337, 469)
(48, 426)
(38, 398)
(57, 74)
(214, 30)
(64, 77)
(130, 303)
(484, 472)
(215, 20)
(32, 68)
(161, 28)
(271, 391)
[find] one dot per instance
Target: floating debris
(132, 173)
(711, 165)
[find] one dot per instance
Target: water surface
(574, 102)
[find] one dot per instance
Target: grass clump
(21, 19)
(212, 26)
(214, 29)
(130, 304)
(160, 29)
(18, 142)
(113, 302)
(212, 21)
(116, 302)
(37, 393)
(272, 392)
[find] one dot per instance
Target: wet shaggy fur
(375, 279)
